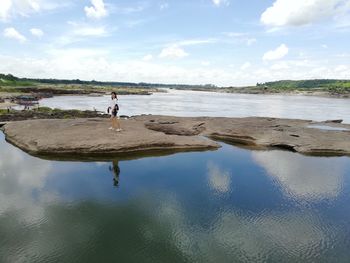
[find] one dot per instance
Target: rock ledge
(148, 134)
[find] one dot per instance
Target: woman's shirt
(114, 102)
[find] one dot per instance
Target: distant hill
(307, 84)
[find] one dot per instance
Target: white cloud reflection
(245, 237)
(21, 176)
(303, 177)
(219, 180)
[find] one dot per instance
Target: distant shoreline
(251, 91)
(12, 86)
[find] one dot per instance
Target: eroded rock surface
(92, 137)
(149, 133)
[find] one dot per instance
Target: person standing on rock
(113, 111)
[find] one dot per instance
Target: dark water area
(229, 205)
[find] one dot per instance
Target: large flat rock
(301, 136)
(92, 137)
(147, 134)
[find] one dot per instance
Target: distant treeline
(13, 79)
(10, 80)
(306, 84)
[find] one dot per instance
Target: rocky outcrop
(260, 133)
(91, 137)
(150, 134)
(17, 115)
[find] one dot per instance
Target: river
(229, 205)
(195, 103)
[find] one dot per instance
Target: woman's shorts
(114, 113)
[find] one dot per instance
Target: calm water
(231, 205)
(190, 103)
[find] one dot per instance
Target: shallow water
(327, 128)
(230, 205)
(194, 103)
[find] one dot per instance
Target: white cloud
(205, 63)
(97, 10)
(77, 53)
(276, 54)
(5, 7)
(12, 33)
(234, 34)
(80, 32)
(303, 12)
(280, 66)
(90, 31)
(163, 6)
(342, 68)
(195, 42)
(147, 57)
(37, 32)
(13, 8)
(251, 41)
(99, 64)
(126, 10)
(246, 66)
(221, 2)
(21, 7)
(173, 51)
(241, 37)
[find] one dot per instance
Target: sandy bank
(147, 134)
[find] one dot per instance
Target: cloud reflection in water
(219, 180)
(303, 177)
(22, 180)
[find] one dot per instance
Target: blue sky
(222, 42)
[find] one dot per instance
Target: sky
(220, 42)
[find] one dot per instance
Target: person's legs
(114, 122)
(117, 123)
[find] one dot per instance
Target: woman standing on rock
(113, 111)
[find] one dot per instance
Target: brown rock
(147, 134)
(91, 137)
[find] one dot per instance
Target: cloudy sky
(222, 42)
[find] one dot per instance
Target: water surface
(327, 128)
(195, 103)
(230, 205)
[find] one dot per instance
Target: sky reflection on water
(223, 206)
